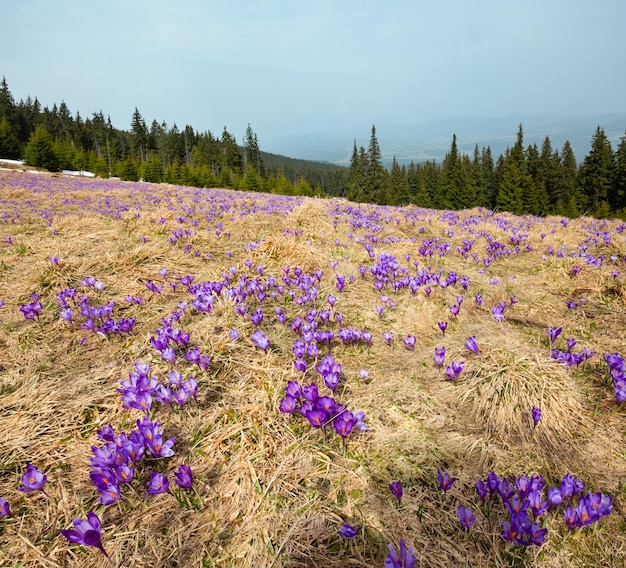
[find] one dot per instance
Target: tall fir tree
(399, 185)
(10, 146)
(139, 136)
(454, 180)
(251, 153)
(515, 187)
(619, 177)
(596, 175)
(39, 151)
(376, 177)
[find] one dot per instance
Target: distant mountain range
(431, 140)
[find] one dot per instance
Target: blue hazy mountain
(430, 140)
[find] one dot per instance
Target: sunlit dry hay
(271, 490)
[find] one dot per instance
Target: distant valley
(431, 140)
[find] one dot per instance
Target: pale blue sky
(297, 66)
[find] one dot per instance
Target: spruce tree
(399, 185)
(454, 181)
(153, 169)
(9, 144)
(231, 157)
(596, 175)
(619, 177)
(376, 177)
(139, 136)
(39, 151)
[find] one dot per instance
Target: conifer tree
(376, 178)
(619, 178)
(139, 136)
(252, 154)
(39, 151)
(153, 169)
(399, 185)
(516, 190)
(454, 180)
(477, 180)
(489, 176)
(231, 157)
(596, 174)
(356, 175)
(9, 144)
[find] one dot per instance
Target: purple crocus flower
(406, 558)
(183, 477)
(33, 480)
(536, 415)
(344, 423)
(158, 484)
(554, 496)
(5, 508)
(443, 325)
(481, 489)
(348, 531)
(388, 336)
(288, 405)
(260, 340)
(454, 369)
(86, 532)
(444, 480)
(396, 489)
(409, 341)
(553, 333)
(440, 355)
(466, 516)
(471, 345)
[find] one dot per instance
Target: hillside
(243, 334)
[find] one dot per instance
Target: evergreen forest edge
(524, 180)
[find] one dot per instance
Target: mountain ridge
(430, 140)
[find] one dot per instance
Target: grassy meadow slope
(269, 489)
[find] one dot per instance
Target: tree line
(55, 139)
(525, 179)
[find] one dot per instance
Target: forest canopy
(526, 179)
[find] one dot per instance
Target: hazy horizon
(305, 69)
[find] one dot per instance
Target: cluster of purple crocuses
(95, 318)
(320, 411)
(617, 373)
(527, 503)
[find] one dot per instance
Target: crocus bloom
(454, 369)
(443, 325)
(158, 484)
(440, 354)
(536, 414)
(466, 516)
(445, 481)
(183, 477)
(348, 531)
(260, 340)
(33, 480)
(472, 345)
(86, 532)
(406, 558)
(396, 488)
(288, 405)
(553, 333)
(409, 341)
(5, 508)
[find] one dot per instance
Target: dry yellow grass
(271, 491)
